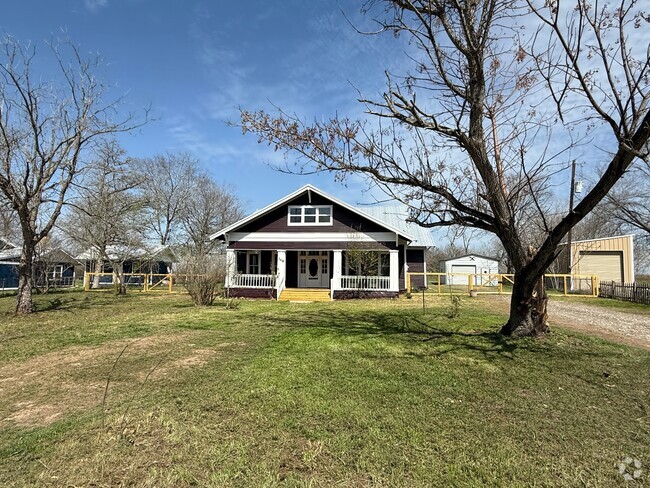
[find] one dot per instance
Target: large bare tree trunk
(528, 316)
(24, 304)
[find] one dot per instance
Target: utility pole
(569, 235)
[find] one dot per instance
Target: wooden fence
(630, 292)
(499, 284)
(144, 281)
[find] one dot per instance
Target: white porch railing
(252, 281)
(365, 283)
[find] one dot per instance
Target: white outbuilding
(475, 264)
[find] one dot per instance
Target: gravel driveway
(579, 314)
(614, 324)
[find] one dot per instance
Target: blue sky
(196, 62)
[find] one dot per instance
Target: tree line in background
(63, 176)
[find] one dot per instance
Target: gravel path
(579, 314)
(614, 324)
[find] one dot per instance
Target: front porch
(268, 273)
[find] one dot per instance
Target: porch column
(231, 266)
(337, 269)
(281, 274)
(394, 270)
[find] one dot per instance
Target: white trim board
(312, 237)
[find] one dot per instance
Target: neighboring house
(470, 264)
(9, 260)
(305, 240)
(54, 267)
(158, 260)
(609, 258)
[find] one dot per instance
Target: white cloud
(94, 5)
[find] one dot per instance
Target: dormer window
(310, 215)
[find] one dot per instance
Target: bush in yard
(203, 276)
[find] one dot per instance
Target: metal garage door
(607, 265)
(461, 280)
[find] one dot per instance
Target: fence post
(439, 284)
(86, 281)
(593, 286)
(171, 282)
(500, 281)
(408, 282)
(469, 282)
(564, 278)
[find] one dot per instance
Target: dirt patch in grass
(192, 359)
(36, 392)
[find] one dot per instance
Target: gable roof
(57, 254)
(116, 252)
(9, 251)
(299, 192)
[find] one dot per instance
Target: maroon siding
(355, 294)
(402, 277)
(344, 220)
(415, 261)
(252, 293)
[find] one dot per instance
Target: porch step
(305, 295)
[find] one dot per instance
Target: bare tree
(9, 228)
(484, 124)
(167, 181)
(45, 129)
(629, 203)
(362, 258)
(106, 215)
(209, 207)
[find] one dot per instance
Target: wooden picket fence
(630, 292)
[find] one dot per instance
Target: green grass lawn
(358, 393)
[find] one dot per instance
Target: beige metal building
(609, 258)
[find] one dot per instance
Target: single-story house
(475, 264)
(157, 260)
(609, 258)
(312, 240)
(55, 265)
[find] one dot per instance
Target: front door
(313, 269)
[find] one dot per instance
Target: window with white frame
(55, 272)
(310, 215)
